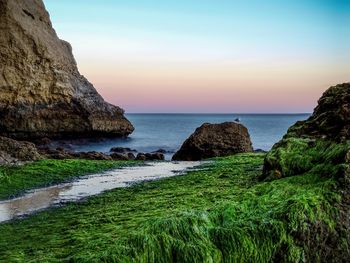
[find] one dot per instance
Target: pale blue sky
(139, 39)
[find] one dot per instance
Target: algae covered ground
(17, 179)
(219, 214)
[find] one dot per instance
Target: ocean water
(168, 131)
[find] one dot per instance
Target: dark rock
(162, 151)
(131, 156)
(121, 150)
(43, 141)
(212, 140)
(62, 156)
(58, 153)
(42, 92)
(141, 157)
(60, 149)
(13, 151)
(150, 157)
(119, 157)
(94, 156)
(155, 156)
(61, 153)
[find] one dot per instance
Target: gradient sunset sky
(208, 55)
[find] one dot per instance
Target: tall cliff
(41, 90)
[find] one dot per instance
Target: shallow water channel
(89, 185)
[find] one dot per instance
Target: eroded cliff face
(41, 90)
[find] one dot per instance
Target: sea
(168, 131)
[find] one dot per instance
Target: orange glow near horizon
(211, 87)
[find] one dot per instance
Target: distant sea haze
(168, 131)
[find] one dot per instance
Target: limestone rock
(42, 93)
(213, 140)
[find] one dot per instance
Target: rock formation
(213, 140)
(320, 147)
(122, 150)
(150, 157)
(42, 93)
(13, 152)
(331, 117)
(319, 141)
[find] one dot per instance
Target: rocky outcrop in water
(42, 93)
(213, 140)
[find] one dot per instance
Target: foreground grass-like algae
(16, 179)
(220, 214)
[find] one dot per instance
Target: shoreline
(79, 188)
(16, 180)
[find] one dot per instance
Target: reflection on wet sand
(34, 201)
(88, 186)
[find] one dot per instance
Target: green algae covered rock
(319, 147)
(320, 144)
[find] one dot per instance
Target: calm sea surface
(168, 131)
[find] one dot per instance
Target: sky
(208, 56)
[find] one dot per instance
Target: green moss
(220, 214)
(295, 156)
(16, 179)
